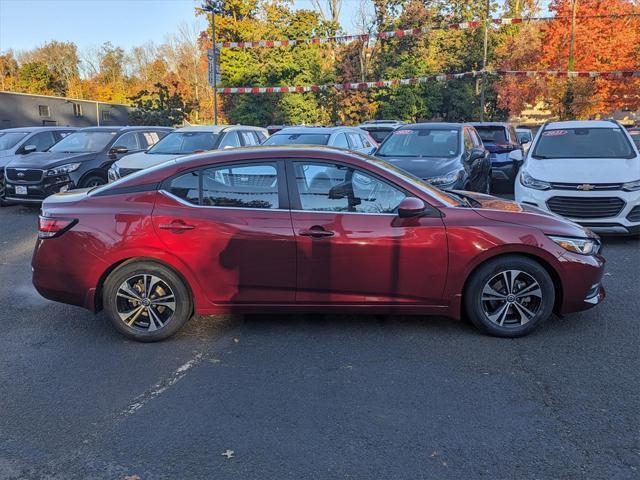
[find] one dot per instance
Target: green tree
(35, 77)
(159, 107)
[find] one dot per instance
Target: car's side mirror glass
(29, 149)
(476, 154)
(119, 150)
(411, 207)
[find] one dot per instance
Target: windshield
(444, 197)
(83, 142)
(492, 134)
(298, 139)
(583, 143)
(183, 143)
(422, 142)
(9, 139)
(523, 136)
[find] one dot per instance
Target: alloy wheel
(511, 298)
(145, 302)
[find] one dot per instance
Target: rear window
(422, 142)
(298, 139)
(583, 143)
(492, 134)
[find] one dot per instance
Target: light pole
(485, 48)
(214, 7)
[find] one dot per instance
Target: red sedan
(307, 230)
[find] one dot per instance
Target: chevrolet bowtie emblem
(586, 187)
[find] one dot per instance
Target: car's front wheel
(146, 301)
(509, 296)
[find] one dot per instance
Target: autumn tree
(160, 106)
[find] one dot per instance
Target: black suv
(80, 160)
(449, 156)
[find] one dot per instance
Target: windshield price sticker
(554, 133)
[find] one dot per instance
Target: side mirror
(342, 190)
(119, 150)
(411, 207)
(476, 154)
(516, 155)
(29, 149)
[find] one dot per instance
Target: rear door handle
(316, 232)
(177, 226)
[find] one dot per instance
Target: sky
(25, 24)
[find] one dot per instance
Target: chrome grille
(586, 207)
(587, 187)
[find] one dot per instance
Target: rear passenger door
(232, 225)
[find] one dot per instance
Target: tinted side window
(42, 141)
(146, 139)
(261, 136)
(355, 141)
(365, 141)
(230, 139)
(186, 187)
(128, 140)
(475, 138)
(468, 142)
(247, 186)
(248, 138)
(341, 141)
(337, 188)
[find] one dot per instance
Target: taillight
(54, 227)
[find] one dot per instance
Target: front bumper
(37, 192)
(627, 221)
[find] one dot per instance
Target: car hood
(508, 211)
(46, 160)
(144, 160)
(425, 167)
(584, 170)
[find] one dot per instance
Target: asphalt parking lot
(315, 396)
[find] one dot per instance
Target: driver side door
(352, 247)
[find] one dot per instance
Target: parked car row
(586, 171)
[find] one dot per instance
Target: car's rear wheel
(146, 301)
(509, 296)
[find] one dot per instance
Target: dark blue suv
(507, 154)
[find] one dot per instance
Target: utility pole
(484, 60)
(214, 7)
(569, 94)
(572, 38)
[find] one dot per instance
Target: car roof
(124, 128)
(490, 124)
(218, 128)
(36, 129)
(582, 124)
(318, 130)
(425, 125)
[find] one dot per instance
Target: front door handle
(316, 232)
(177, 226)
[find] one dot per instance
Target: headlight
(583, 246)
(631, 186)
(530, 182)
(62, 169)
(450, 177)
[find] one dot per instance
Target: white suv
(587, 171)
(188, 140)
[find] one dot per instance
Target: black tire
(518, 313)
(92, 181)
(168, 284)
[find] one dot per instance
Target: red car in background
(303, 229)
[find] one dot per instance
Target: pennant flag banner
(397, 33)
(430, 78)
